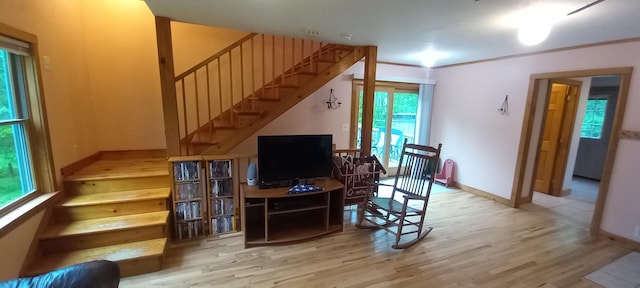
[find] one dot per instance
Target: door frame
(530, 136)
(567, 121)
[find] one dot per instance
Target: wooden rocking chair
(403, 212)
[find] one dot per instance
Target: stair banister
(215, 56)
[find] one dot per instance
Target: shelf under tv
(272, 216)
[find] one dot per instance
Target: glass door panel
(403, 124)
(378, 135)
(394, 110)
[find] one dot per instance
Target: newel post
(371, 58)
(167, 85)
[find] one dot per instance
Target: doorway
(532, 135)
(575, 200)
(558, 126)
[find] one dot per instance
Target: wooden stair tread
(264, 99)
(83, 227)
(117, 197)
(122, 168)
(118, 253)
(271, 86)
(249, 112)
(305, 73)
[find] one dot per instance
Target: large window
(25, 163)
(15, 167)
(594, 118)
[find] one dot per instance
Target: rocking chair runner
(403, 213)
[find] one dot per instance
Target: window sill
(16, 217)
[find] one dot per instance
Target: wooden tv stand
(272, 216)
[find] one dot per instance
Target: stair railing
(235, 79)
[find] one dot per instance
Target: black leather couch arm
(94, 274)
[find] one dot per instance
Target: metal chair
(403, 213)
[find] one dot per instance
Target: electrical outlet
(637, 232)
(312, 33)
(75, 150)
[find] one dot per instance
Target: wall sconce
(504, 108)
(333, 102)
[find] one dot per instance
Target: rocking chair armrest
(414, 197)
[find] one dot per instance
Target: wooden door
(558, 126)
(551, 133)
(564, 141)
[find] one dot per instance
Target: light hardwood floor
(576, 208)
(476, 242)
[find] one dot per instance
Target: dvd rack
(204, 196)
(221, 196)
(187, 199)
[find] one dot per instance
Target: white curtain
(423, 119)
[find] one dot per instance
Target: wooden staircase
(114, 209)
(241, 107)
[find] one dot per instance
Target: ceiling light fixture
(430, 57)
(533, 32)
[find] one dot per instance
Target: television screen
(287, 160)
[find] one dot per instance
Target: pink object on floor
(446, 174)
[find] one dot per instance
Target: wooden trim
(402, 64)
(612, 150)
(583, 73)
(369, 87)
(38, 127)
(168, 85)
(11, 32)
(624, 242)
(215, 56)
(565, 192)
(526, 135)
(523, 149)
(43, 155)
(397, 85)
(185, 158)
(129, 154)
(482, 193)
(21, 214)
(541, 52)
(79, 165)
(353, 133)
(111, 155)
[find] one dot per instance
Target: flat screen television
(288, 160)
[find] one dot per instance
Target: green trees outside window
(16, 177)
(594, 118)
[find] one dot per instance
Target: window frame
(36, 126)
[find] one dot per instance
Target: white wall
(485, 144)
(15, 245)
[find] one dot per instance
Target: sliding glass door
(395, 109)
